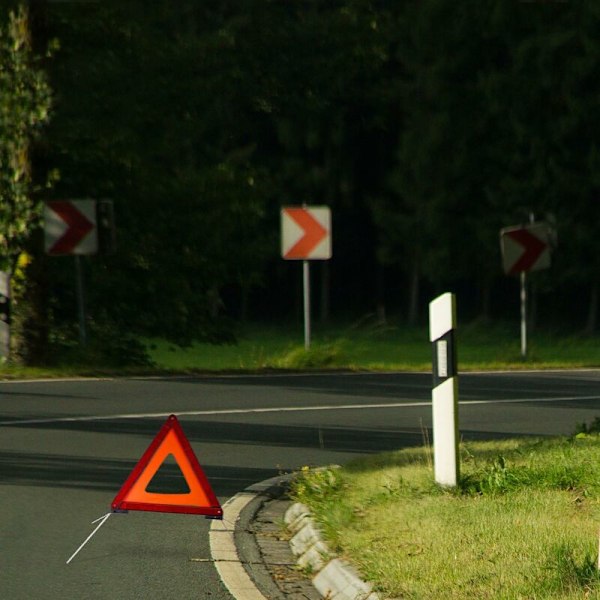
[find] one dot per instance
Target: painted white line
(532, 400)
(226, 411)
(222, 543)
(224, 552)
(286, 409)
(56, 380)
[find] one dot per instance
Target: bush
(318, 356)
(106, 347)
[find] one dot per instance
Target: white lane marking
(223, 547)
(56, 380)
(285, 409)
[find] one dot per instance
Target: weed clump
(570, 570)
(317, 356)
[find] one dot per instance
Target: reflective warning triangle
(170, 441)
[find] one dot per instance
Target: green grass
(356, 347)
(379, 348)
(523, 523)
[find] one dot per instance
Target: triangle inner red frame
(170, 440)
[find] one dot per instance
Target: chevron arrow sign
(525, 248)
(70, 227)
(306, 233)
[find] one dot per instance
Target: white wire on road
(102, 520)
(285, 409)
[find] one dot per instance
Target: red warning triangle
(170, 440)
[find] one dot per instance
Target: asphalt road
(66, 447)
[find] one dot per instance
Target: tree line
(426, 127)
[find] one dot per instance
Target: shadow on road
(53, 470)
(342, 439)
(102, 473)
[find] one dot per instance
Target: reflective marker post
(442, 323)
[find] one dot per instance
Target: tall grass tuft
(319, 356)
(568, 570)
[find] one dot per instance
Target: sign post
(306, 303)
(306, 236)
(523, 298)
(80, 300)
(70, 228)
(525, 248)
(442, 324)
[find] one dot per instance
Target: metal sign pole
(523, 315)
(80, 300)
(306, 235)
(306, 286)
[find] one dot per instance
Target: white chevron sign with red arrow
(306, 233)
(70, 227)
(525, 248)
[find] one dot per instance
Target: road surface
(66, 448)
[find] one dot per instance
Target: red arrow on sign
(314, 233)
(532, 250)
(78, 227)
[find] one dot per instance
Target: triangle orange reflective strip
(170, 440)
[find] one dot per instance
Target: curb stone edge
(335, 579)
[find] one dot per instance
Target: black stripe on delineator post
(444, 358)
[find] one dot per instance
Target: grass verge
(362, 346)
(379, 347)
(522, 524)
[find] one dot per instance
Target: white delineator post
(442, 324)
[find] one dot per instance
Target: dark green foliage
(24, 106)
(158, 128)
(425, 126)
(107, 348)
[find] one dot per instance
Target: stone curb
(335, 579)
(227, 546)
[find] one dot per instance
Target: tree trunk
(380, 299)
(244, 301)
(592, 317)
(215, 303)
(486, 299)
(325, 311)
(413, 294)
(30, 327)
